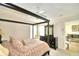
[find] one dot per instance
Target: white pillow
(1, 53)
(4, 51)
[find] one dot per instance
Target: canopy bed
(30, 48)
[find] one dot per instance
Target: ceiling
(10, 14)
(52, 10)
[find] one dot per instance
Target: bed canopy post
(32, 31)
(48, 33)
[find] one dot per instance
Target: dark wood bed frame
(46, 53)
(19, 9)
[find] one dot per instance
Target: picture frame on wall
(75, 28)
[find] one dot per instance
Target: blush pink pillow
(16, 43)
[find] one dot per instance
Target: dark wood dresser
(53, 43)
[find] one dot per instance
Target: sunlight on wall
(35, 31)
(40, 30)
(68, 27)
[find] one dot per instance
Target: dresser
(53, 42)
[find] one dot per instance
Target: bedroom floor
(60, 52)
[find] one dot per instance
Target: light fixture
(41, 12)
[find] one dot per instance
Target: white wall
(68, 27)
(16, 30)
(59, 33)
(13, 29)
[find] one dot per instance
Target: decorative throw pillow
(25, 42)
(16, 43)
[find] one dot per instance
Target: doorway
(72, 36)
